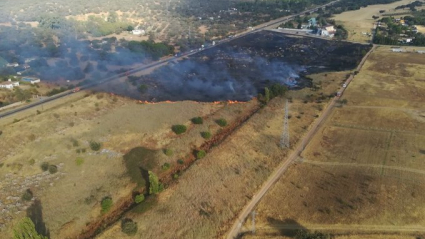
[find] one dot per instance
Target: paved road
(136, 70)
(235, 229)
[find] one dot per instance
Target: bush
(75, 142)
(168, 152)
(44, 166)
(95, 146)
(222, 122)
(179, 129)
(200, 154)
(206, 135)
(154, 185)
(79, 161)
(197, 120)
(53, 169)
(166, 166)
(1, 132)
(180, 161)
(106, 204)
(128, 226)
(139, 198)
(27, 196)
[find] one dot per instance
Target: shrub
(200, 154)
(1, 132)
(27, 196)
(79, 161)
(106, 204)
(180, 161)
(44, 166)
(222, 122)
(176, 176)
(154, 185)
(95, 146)
(128, 226)
(166, 166)
(32, 162)
(53, 169)
(75, 142)
(83, 150)
(206, 135)
(179, 129)
(197, 120)
(139, 198)
(168, 152)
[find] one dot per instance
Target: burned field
(240, 69)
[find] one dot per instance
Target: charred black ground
(240, 69)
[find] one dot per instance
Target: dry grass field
(363, 174)
(60, 135)
(206, 197)
(360, 21)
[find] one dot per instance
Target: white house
(31, 80)
(14, 64)
(9, 84)
(138, 32)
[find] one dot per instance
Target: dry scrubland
(364, 171)
(209, 195)
(70, 198)
(359, 21)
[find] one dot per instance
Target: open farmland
(360, 21)
(363, 174)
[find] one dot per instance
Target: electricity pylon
(284, 140)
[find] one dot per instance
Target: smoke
(236, 70)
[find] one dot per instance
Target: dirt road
(234, 231)
(346, 228)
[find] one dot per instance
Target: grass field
(360, 21)
(61, 136)
(364, 172)
(207, 196)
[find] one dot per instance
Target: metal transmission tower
(284, 141)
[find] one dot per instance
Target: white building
(31, 80)
(9, 84)
(138, 32)
(14, 64)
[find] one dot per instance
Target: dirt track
(235, 229)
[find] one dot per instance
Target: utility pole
(284, 141)
(253, 213)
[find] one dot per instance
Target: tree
(128, 226)
(139, 198)
(197, 120)
(154, 185)
(266, 95)
(179, 129)
(26, 230)
(106, 204)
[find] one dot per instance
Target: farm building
(138, 32)
(9, 84)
